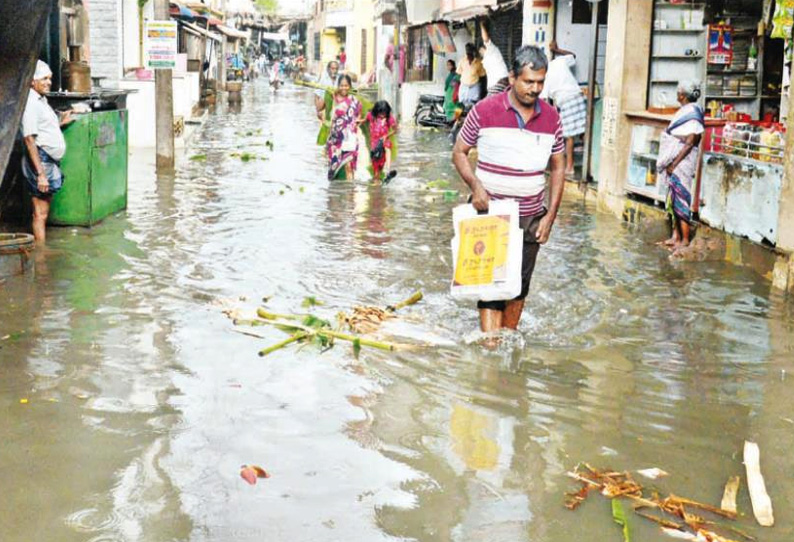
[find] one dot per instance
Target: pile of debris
(679, 517)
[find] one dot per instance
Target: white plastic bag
(487, 252)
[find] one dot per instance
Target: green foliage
(620, 518)
(267, 6)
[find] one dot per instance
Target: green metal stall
(94, 168)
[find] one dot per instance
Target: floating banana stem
(295, 338)
(267, 315)
(250, 323)
(413, 300)
(330, 334)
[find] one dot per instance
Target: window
(420, 55)
(582, 12)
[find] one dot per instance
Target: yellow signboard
(483, 249)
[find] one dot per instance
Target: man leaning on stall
(45, 146)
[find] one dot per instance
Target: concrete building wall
(625, 88)
(105, 24)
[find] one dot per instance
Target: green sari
(451, 85)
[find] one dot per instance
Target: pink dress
(379, 128)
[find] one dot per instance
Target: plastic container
(15, 253)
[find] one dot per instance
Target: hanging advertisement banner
(160, 45)
(720, 45)
(440, 38)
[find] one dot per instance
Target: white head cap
(42, 70)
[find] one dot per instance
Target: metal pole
(164, 104)
(591, 84)
(222, 68)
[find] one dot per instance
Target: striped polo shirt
(513, 155)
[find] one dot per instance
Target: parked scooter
(430, 111)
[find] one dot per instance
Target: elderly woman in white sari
(677, 162)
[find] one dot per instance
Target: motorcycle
(430, 111)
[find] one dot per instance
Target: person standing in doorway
(517, 135)
(342, 58)
(564, 91)
(45, 147)
(471, 71)
(493, 62)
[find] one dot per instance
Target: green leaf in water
(619, 515)
(198, 158)
(311, 301)
(356, 348)
(316, 323)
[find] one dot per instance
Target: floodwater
(129, 401)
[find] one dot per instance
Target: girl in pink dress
(382, 127)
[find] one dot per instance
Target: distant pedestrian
(342, 59)
(328, 81)
(342, 145)
(471, 71)
(564, 90)
(45, 146)
(517, 135)
(678, 161)
(382, 127)
(451, 91)
(493, 62)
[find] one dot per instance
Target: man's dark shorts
(52, 170)
(529, 225)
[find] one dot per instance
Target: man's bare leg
(491, 320)
(568, 156)
(41, 208)
(512, 314)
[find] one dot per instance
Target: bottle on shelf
(752, 57)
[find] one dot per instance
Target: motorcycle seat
(430, 98)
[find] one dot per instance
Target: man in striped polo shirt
(517, 136)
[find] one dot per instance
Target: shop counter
(647, 128)
(741, 196)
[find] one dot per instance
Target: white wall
(130, 31)
(577, 38)
(105, 23)
(141, 106)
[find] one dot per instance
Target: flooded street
(129, 400)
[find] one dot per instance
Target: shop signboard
(160, 45)
(440, 38)
(720, 45)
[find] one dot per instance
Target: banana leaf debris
(678, 517)
(356, 327)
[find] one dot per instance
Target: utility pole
(164, 103)
(221, 83)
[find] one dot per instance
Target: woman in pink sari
(342, 145)
(678, 161)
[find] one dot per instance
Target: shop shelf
(678, 57)
(678, 30)
(717, 97)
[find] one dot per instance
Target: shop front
(733, 48)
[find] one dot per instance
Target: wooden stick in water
(762, 504)
(729, 496)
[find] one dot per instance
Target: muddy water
(129, 402)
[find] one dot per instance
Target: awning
(198, 31)
(465, 14)
(178, 10)
(275, 36)
(232, 32)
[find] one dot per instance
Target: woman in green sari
(451, 87)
